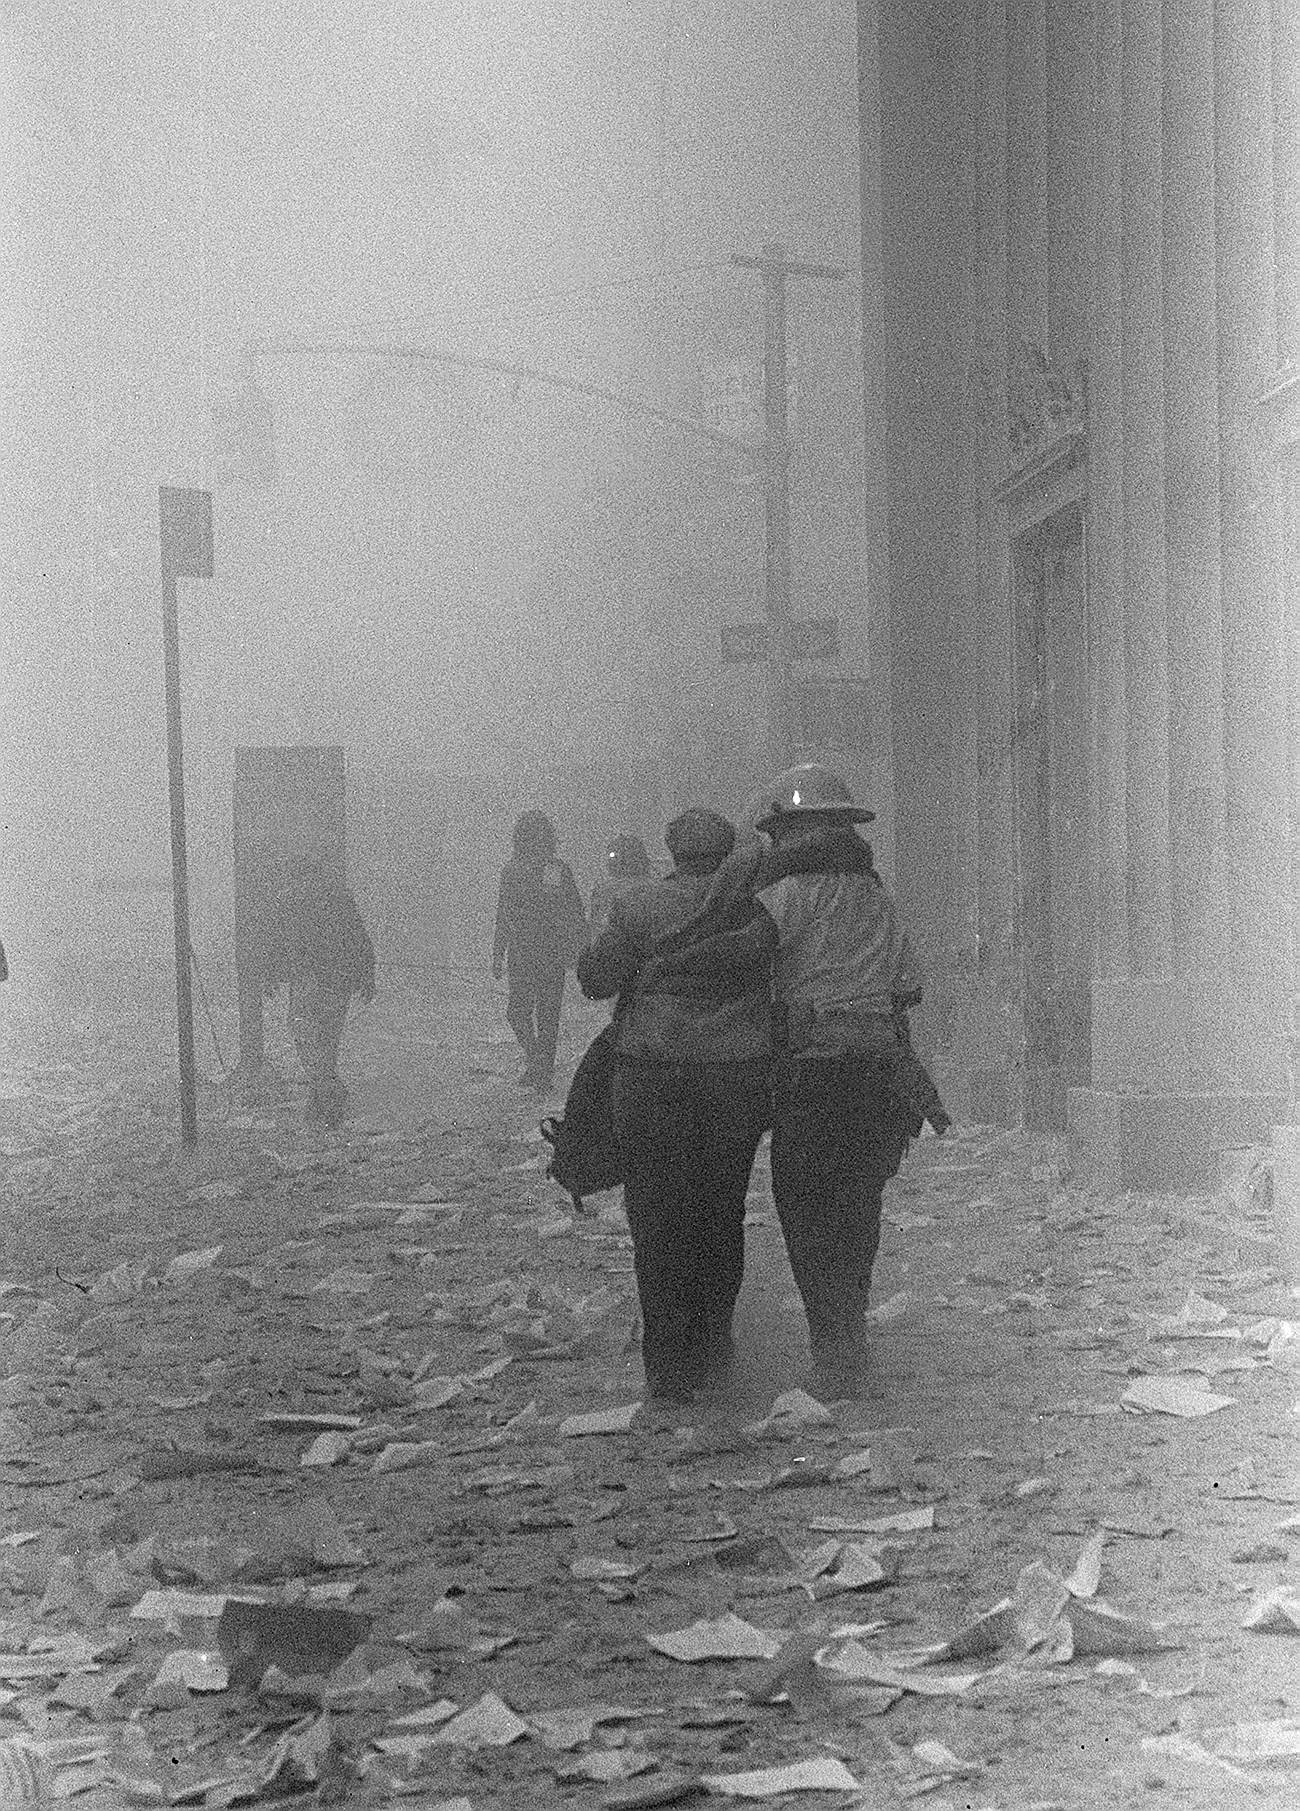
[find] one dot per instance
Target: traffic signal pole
(185, 538)
(776, 268)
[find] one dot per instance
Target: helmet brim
(841, 814)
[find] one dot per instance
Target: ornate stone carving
(1043, 405)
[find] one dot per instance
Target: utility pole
(776, 268)
(185, 534)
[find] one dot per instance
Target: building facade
(1082, 315)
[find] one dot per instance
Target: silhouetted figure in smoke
(322, 949)
(540, 928)
(627, 866)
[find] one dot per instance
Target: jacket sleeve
(611, 963)
(907, 973)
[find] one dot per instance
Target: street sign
(815, 638)
(811, 638)
(743, 643)
(185, 530)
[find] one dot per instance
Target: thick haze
(455, 572)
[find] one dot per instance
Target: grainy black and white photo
(650, 904)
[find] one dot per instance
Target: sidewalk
(412, 1308)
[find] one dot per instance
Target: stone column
(1027, 141)
(1257, 986)
(1145, 637)
(996, 1029)
(1106, 508)
(1284, 410)
(1191, 499)
(1286, 177)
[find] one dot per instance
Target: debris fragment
(903, 1521)
(298, 1638)
(1086, 1576)
(822, 1775)
(488, 1724)
(327, 1449)
(188, 1264)
(853, 1661)
(1099, 1628)
(1273, 1741)
(1161, 1394)
(601, 1421)
(155, 1467)
(195, 1669)
(1276, 1614)
(24, 1774)
(790, 1413)
(730, 1637)
(564, 1729)
(891, 1309)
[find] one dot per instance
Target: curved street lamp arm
(632, 405)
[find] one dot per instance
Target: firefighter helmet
(811, 788)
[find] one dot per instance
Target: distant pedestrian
(690, 1104)
(627, 866)
(320, 946)
(540, 928)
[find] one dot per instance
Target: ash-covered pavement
(1020, 1573)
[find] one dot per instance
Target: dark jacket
(540, 923)
(720, 1016)
(318, 932)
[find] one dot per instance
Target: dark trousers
(533, 1014)
(838, 1135)
(687, 1136)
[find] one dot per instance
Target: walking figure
(320, 946)
(540, 928)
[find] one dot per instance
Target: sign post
(185, 535)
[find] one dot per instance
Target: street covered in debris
(324, 1470)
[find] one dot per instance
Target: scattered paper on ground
(601, 1421)
(730, 1637)
(1276, 1614)
(792, 1411)
(1166, 1395)
(488, 1724)
(772, 1782)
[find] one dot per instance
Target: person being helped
(691, 1098)
(627, 866)
(540, 928)
(320, 946)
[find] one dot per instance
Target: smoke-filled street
(348, 1372)
(650, 904)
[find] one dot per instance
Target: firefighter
(840, 1122)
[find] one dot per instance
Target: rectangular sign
(185, 525)
(811, 638)
(815, 638)
(743, 642)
